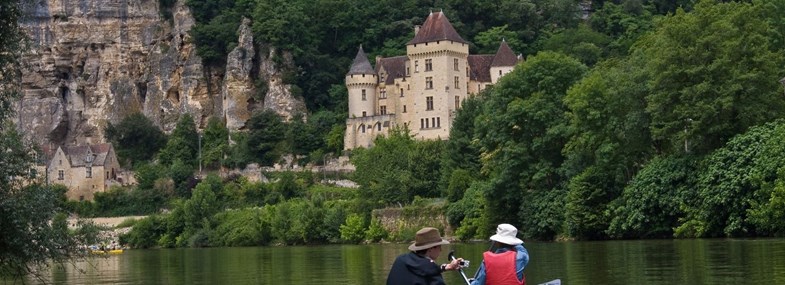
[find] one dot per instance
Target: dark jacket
(411, 269)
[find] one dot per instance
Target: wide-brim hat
(427, 238)
(506, 234)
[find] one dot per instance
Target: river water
(712, 261)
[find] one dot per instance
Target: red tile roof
(395, 67)
(480, 67)
(504, 56)
(436, 28)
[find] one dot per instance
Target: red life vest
(500, 269)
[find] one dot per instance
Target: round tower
(361, 82)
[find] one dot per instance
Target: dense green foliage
(135, 139)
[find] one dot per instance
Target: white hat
(505, 233)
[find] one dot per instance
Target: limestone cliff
(96, 61)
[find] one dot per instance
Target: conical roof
(436, 28)
(361, 65)
(504, 56)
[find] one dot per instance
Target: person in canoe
(504, 263)
(419, 265)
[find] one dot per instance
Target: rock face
(93, 62)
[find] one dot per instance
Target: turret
(361, 82)
(503, 62)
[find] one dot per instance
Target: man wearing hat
(419, 266)
(503, 266)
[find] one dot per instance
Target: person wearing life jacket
(505, 264)
(418, 267)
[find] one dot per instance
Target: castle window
(433, 122)
(362, 128)
(33, 172)
(363, 113)
(363, 94)
(379, 127)
(429, 82)
(61, 162)
(383, 93)
(60, 175)
(455, 64)
(429, 103)
(382, 110)
(81, 198)
(429, 65)
(438, 122)
(457, 102)
(89, 172)
(407, 71)
(426, 123)
(467, 71)
(500, 73)
(416, 66)
(401, 92)
(457, 82)
(404, 108)
(422, 124)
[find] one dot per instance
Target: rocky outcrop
(93, 62)
(279, 97)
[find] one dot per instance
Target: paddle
(451, 257)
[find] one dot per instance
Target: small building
(84, 170)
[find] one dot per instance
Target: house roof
(480, 67)
(78, 155)
(504, 56)
(394, 66)
(361, 65)
(436, 28)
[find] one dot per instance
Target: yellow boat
(113, 251)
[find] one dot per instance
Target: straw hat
(506, 234)
(427, 238)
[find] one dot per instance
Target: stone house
(421, 90)
(84, 170)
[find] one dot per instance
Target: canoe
(113, 251)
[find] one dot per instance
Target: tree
(736, 183)
(522, 130)
(655, 201)
(609, 142)
(713, 75)
(34, 232)
(183, 144)
(135, 139)
(266, 131)
(489, 40)
(461, 151)
(215, 143)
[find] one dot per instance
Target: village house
(421, 90)
(84, 170)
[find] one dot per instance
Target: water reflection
(760, 261)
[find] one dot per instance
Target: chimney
(416, 29)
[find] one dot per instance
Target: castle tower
(503, 62)
(438, 69)
(361, 83)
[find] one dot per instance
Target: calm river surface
(714, 261)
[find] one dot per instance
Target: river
(699, 261)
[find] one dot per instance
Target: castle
(421, 90)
